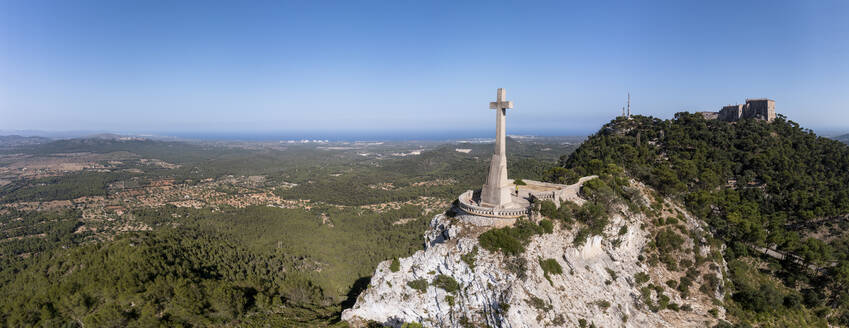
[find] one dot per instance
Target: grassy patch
(418, 284)
(469, 258)
(447, 283)
(539, 304)
(550, 266)
(449, 299)
(510, 240)
(395, 265)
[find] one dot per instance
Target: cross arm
(500, 104)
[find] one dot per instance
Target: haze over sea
(270, 136)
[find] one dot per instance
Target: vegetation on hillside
(611, 187)
(171, 277)
(757, 184)
(222, 266)
(511, 240)
(65, 187)
(278, 262)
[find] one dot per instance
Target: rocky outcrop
(597, 284)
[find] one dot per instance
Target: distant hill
(758, 185)
(844, 138)
(12, 141)
(170, 151)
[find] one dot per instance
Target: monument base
(520, 204)
(497, 190)
(500, 198)
(470, 203)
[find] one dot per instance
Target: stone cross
(496, 191)
(500, 105)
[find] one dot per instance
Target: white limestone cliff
(597, 284)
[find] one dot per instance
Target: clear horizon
(265, 136)
(420, 68)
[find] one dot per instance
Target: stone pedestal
(496, 191)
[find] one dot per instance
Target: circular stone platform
(469, 202)
(521, 203)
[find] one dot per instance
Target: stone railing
(559, 192)
(543, 195)
(465, 204)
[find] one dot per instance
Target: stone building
(731, 113)
(761, 108)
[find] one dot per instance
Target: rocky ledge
(608, 281)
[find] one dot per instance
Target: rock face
(597, 284)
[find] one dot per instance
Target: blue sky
(412, 66)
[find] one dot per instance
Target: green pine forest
(759, 186)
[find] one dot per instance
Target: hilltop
(615, 256)
(769, 191)
(702, 222)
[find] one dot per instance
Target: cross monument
(496, 191)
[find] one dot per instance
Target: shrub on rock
(418, 284)
(395, 266)
(447, 283)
